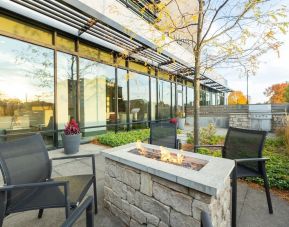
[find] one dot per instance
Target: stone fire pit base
(142, 199)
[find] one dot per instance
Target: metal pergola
(87, 20)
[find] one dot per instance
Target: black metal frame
(49, 183)
(176, 142)
(87, 206)
(205, 220)
(235, 175)
(93, 173)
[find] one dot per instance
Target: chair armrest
(251, 160)
(73, 157)
(199, 146)
(33, 185)
(79, 156)
(74, 216)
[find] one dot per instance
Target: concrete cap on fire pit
(210, 179)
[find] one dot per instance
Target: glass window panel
(122, 79)
(139, 98)
(164, 94)
(173, 99)
(97, 96)
(66, 88)
(26, 89)
(180, 107)
(153, 98)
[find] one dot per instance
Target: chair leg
(234, 198)
(267, 189)
(95, 195)
(40, 213)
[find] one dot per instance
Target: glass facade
(26, 90)
(153, 98)
(41, 88)
(138, 98)
(164, 99)
(97, 96)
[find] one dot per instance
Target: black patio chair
(245, 147)
(205, 220)
(26, 170)
(75, 215)
(164, 133)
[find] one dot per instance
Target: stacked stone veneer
(142, 199)
(240, 120)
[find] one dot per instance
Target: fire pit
(156, 186)
(163, 154)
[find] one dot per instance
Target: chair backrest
(23, 161)
(163, 133)
(244, 143)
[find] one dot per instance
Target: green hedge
(117, 139)
(277, 166)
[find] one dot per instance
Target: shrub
(207, 136)
(117, 139)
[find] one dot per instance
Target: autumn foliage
(276, 93)
(237, 97)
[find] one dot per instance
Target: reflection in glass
(122, 79)
(26, 89)
(164, 99)
(190, 97)
(153, 98)
(97, 95)
(174, 100)
(139, 97)
(180, 107)
(66, 88)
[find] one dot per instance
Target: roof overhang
(77, 18)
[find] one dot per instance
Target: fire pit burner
(169, 157)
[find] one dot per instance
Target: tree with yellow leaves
(237, 97)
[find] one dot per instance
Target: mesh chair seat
(48, 197)
(244, 171)
(163, 134)
(78, 186)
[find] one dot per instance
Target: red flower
(71, 128)
(173, 120)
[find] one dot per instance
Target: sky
(272, 70)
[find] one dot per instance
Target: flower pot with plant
(71, 137)
(181, 120)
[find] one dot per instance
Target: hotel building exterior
(94, 60)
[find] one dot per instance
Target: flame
(166, 156)
(140, 147)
